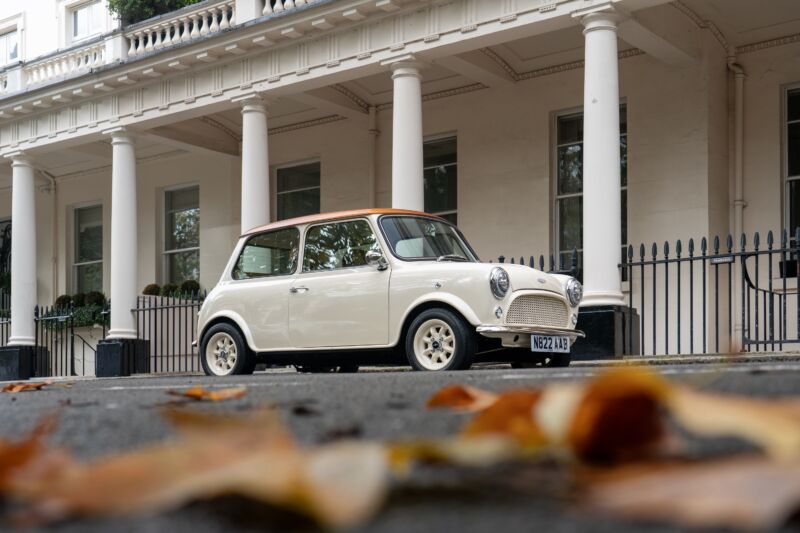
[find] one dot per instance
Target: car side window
(338, 245)
(268, 254)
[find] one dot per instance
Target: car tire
(439, 339)
(223, 352)
(317, 369)
(551, 360)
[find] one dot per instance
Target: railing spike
(678, 248)
(756, 241)
(784, 238)
(630, 253)
(770, 239)
(691, 247)
(703, 245)
(666, 249)
(716, 244)
(729, 243)
(501, 259)
(743, 241)
(654, 250)
(541, 262)
(641, 251)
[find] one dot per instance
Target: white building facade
(137, 155)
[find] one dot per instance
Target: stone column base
(122, 357)
(16, 362)
(606, 328)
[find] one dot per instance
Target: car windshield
(425, 238)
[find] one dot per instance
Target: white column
(255, 164)
(408, 188)
(23, 251)
(124, 275)
(602, 239)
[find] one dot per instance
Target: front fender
(236, 318)
(438, 297)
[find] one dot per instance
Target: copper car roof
(334, 216)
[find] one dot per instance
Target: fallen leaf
(199, 393)
(462, 397)
(511, 414)
(749, 493)
(25, 386)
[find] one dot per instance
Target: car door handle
(295, 290)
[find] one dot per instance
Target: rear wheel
(223, 352)
(554, 360)
(439, 339)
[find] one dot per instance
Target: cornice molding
(306, 124)
(353, 97)
(770, 43)
(702, 23)
(222, 127)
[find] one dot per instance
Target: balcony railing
(182, 26)
(76, 61)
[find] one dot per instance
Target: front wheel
(439, 339)
(223, 352)
(552, 360)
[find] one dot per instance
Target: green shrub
(133, 11)
(79, 300)
(88, 315)
(169, 289)
(63, 301)
(190, 287)
(152, 290)
(95, 298)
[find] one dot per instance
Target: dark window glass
(793, 149)
(441, 177)
(794, 209)
(793, 105)
(88, 267)
(298, 190)
(338, 245)
(182, 234)
(570, 129)
(570, 169)
(268, 254)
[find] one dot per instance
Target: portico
(464, 112)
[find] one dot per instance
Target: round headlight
(574, 292)
(499, 282)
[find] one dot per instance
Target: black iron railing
(55, 355)
(716, 297)
(169, 324)
(570, 268)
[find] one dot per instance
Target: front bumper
(519, 336)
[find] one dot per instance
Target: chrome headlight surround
(574, 292)
(499, 282)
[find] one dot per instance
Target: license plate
(548, 343)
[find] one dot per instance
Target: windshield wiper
(450, 257)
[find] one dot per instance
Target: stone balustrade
(278, 6)
(184, 26)
(68, 63)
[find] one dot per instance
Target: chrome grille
(537, 310)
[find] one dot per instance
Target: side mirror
(376, 259)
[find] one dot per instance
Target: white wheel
(434, 344)
(221, 354)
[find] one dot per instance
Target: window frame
(300, 243)
(556, 197)
(279, 193)
(416, 259)
(75, 242)
(165, 254)
(436, 138)
(72, 9)
(302, 258)
(14, 23)
(7, 61)
(786, 179)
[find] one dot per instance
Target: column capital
(120, 135)
(404, 65)
(254, 101)
(601, 16)
(19, 159)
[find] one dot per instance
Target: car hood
(523, 277)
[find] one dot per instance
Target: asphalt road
(104, 416)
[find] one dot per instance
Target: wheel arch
(234, 321)
(423, 306)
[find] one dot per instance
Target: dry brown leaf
(25, 386)
(749, 493)
(219, 455)
(22, 457)
(462, 397)
(511, 415)
(199, 393)
(774, 425)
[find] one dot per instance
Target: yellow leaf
(199, 393)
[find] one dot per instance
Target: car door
(337, 299)
(259, 292)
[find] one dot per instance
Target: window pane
(624, 217)
(339, 245)
(182, 266)
(89, 278)
(794, 206)
(269, 254)
(441, 189)
(182, 218)
(570, 129)
(570, 226)
(298, 204)
(440, 152)
(623, 159)
(570, 169)
(88, 234)
(451, 217)
(298, 177)
(423, 238)
(793, 149)
(4, 50)
(623, 120)
(793, 105)
(13, 45)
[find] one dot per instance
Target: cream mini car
(335, 291)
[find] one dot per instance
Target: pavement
(102, 416)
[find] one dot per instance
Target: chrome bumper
(491, 330)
